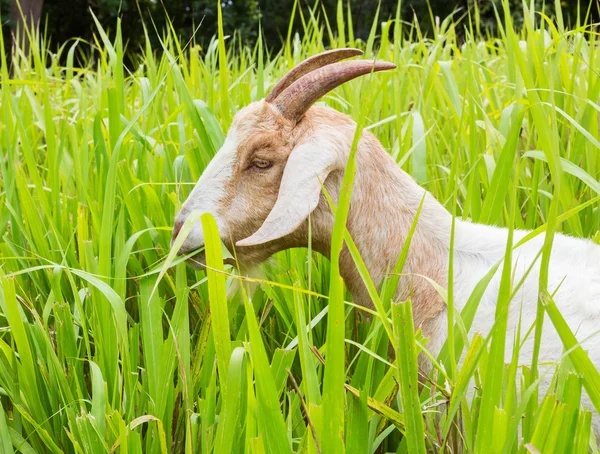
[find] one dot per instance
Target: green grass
(110, 344)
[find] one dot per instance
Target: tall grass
(108, 343)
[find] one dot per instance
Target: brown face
(252, 191)
(266, 179)
(240, 185)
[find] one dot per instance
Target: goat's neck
(384, 203)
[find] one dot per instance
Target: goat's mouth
(198, 260)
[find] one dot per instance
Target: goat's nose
(176, 228)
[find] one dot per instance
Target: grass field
(108, 346)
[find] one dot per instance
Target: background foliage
(63, 20)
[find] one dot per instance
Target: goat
(267, 179)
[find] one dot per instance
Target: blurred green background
(63, 20)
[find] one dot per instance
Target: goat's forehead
(256, 117)
(254, 120)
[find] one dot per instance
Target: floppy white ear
(306, 169)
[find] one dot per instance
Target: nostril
(176, 228)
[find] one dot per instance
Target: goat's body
(273, 207)
(573, 280)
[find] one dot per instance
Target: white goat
(266, 180)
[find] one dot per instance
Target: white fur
(574, 280)
(209, 192)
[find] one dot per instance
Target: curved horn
(302, 94)
(308, 65)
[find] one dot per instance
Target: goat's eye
(261, 164)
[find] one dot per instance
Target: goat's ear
(306, 169)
